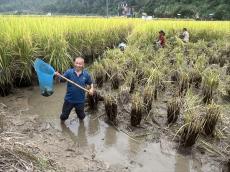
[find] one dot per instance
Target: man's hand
(57, 74)
(57, 77)
(91, 92)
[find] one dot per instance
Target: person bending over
(161, 39)
(75, 96)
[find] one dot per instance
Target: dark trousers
(67, 108)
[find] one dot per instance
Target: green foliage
(164, 8)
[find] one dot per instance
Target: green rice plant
(136, 110)
(148, 97)
(8, 66)
(210, 82)
(173, 110)
(191, 130)
(98, 71)
(111, 109)
(211, 118)
(56, 51)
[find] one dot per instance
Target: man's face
(79, 64)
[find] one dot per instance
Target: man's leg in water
(67, 107)
(79, 109)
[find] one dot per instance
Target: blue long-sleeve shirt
(75, 94)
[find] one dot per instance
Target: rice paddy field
(181, 92)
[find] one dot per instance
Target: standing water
(108, 144)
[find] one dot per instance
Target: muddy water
(108, 144)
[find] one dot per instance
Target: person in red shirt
(161, 39)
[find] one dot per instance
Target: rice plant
(136, 111)
(173, 110)
(111, 109)
(93, 100)
(211, 118)
(191, 130)
(148, 97)
(124, 95)
(98, 72)
(211, 82)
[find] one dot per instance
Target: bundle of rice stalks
(184, 83)
(114, 77)
(148, 97)
(173, 111)
(191, 130)
(211, 118)
(136, 112)
(175, 77)
(124, 95)
(214, 58)
(228, 70)
(211, 82)
(195, 77)
(107, 67)
(111, 109)
(223, 60)
(131, 80)
(93, 100)
(98, 71)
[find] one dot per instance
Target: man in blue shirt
(75, 96)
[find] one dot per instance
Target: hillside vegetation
(163, 8)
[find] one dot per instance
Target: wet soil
(107, 143)
(96, 145)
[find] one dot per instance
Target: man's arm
(91, 90)
(90, 82)
(58, 78)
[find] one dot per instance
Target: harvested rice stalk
(124, 95)
(195, 77)
(98, 71)
(148, 97)
(173, 111)
(191, 130)
(211, 82)
(114, 78)
(223, 60)
(111, 109)
(136, 112)
(93, 100)
(228, 70)
(184, 83)
(212, 115)
(175, 77)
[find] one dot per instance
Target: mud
(96, 145)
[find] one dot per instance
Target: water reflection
(110, 137)
(93, 126)
(77, 132)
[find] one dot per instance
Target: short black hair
(185, 29)
(161, 31)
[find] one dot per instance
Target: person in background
(185, 36)
(161, 39)
(75, 96)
